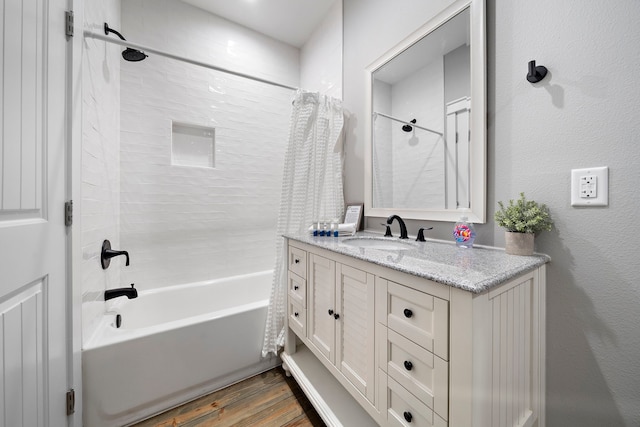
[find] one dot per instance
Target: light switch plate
(590, 186)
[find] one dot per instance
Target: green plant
(523, 216)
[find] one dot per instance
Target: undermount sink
(373, 243)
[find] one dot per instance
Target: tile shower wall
(100, 160)
(188, 224)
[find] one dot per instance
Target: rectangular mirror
(426, 125)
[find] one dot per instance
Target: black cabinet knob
(295, 288)
(296, 314)
(408, 365)
(408, 416)
(408, 313)
(336, 316)
(297, 261)
(330, 312)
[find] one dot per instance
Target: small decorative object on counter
(522, 220)
(463, 231)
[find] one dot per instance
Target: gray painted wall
(584, 114)
(457, 83)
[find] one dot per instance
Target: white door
(458, 166)
(34, 338)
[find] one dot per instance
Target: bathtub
(174, 344)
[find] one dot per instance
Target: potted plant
(522, 219)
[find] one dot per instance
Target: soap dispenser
(463, 231)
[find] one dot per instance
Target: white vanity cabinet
(372, 345)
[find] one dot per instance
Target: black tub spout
(121, 292)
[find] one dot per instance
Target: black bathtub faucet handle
(108, 253)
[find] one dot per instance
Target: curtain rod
(375, 113)
(127, 43)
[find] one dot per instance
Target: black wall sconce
(536, 73)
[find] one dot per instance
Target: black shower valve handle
(107, 253)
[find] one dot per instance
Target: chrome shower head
(129, 54)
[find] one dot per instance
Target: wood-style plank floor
(267, 399)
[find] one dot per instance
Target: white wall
(100, 160)
(321, 56)
(186, 224)
(582, 115)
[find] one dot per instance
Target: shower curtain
(311, 190)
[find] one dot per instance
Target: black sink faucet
(403, 227)
(121, 292)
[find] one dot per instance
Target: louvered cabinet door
(321, 305)
(355, 328)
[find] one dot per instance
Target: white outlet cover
(602, 189)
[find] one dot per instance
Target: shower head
(128, 54)
(133, 55)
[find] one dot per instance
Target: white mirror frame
(478, 148)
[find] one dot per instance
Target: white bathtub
(174, 344)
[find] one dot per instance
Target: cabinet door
(355, 328)
(321, 305)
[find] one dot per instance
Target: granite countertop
(476, 270)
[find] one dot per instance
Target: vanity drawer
(420, 317)
(297, 261)
(419, 371)
(405, 410)
(297, 318)
(297, 289)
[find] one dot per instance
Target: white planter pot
(519, 243)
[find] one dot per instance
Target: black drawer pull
(408, 313)
(295, 288)
(297, 261)
(408, 365)
(408, 416)
(336, 316)
(330, 312)
(296, 314)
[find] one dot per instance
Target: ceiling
(290, 21)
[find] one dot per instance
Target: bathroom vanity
(401, 333)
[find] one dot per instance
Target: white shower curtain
(311, 190)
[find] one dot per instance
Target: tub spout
(120, 292)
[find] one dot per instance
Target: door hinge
(68, 213)
(68, 23)
(71, 402)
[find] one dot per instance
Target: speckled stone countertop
(476, 270)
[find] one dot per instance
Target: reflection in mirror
(421, 122)
(427, 154)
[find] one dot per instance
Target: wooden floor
(268, 399)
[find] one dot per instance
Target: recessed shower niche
(192, 145)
